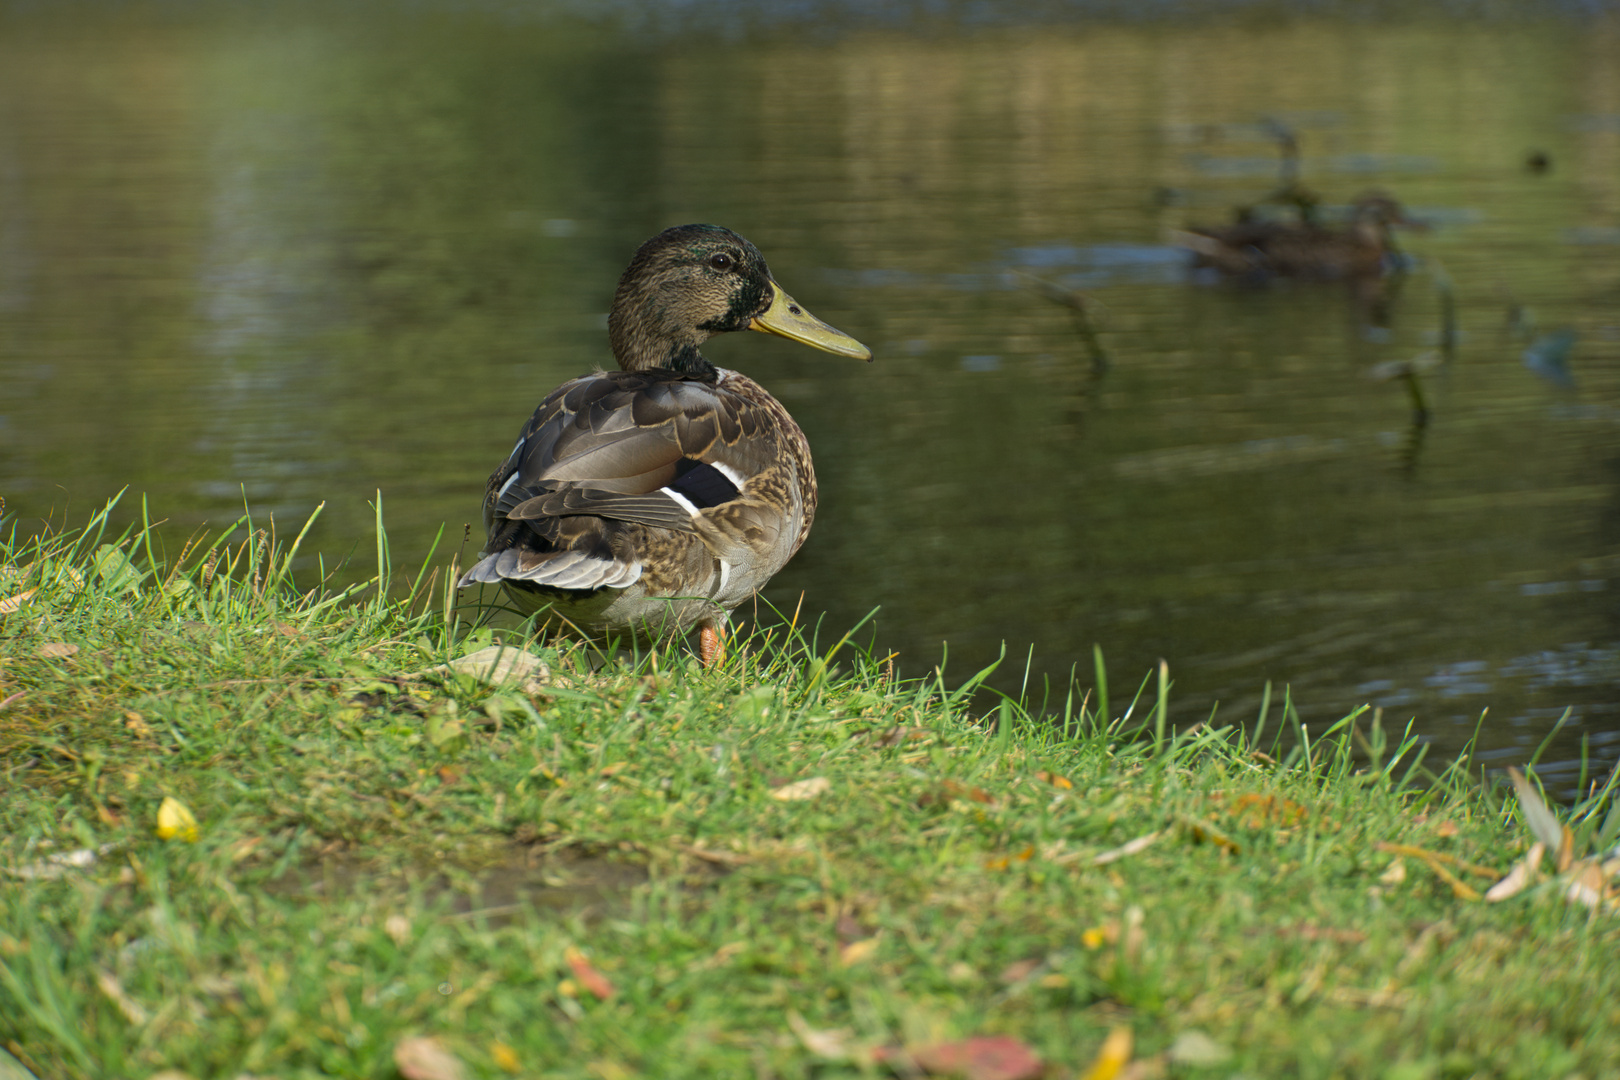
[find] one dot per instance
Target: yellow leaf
(802, 790)
(1113, 1057)
(176, 820)
(856, 951)
(505, 1057)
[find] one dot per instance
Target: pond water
(346, 249)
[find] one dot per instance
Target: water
(312, 255)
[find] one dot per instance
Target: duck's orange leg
(711, 645)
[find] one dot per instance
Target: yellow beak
(787, 318)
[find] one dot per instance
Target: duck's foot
(711, 645)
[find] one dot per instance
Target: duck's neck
(641, 342)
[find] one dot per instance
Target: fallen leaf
(499, 664)
(802, 790)
(1312, 932)
(54, 866)
(133, 1011)
(1544, 824)
(1196, 1048)
(1112, 1058)
(398, 928)
(1445, 829)
(588, 976)
(718, 858)
(1131, 848)
(1054, 779)
(1586, 884)
(505, 1058)
(1019, 970)
(419, 1057)
(11, 603)
(1520, 876)
(137, 725)
(175, 819)
(1256, 811)
(1396, 873)
(1437, 857)
(956, 790)
(983, 1057)
(856, 951)
(1204, 832)
(56, 650)
(832, 1044)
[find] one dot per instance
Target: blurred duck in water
(1262, 249)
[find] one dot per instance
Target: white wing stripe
(737, 479)
(685, 503)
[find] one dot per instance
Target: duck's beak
(788, 318)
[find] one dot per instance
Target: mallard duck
(1301, 248)
(641, 503)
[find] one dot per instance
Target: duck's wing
(612, 451)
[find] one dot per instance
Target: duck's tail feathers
(553, 569)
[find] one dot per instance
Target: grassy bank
(788, 866)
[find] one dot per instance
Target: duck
(641, 504)
(1302, 249)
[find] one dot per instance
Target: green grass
(382, 855)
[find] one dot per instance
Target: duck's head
(694, 281)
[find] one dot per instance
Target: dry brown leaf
(497, 665)
(1257, 811)
(718, 858)
(133, 1011)
(1054, 779)
(1193, 1047)
(1019, 970)
(832, 1044)
(802, 790)
(419, 1057)
(588, 976)
(1520, 876)
(1445, 829)
(1112, 1058)
(982, 1057)
(56, 650)
(1544, 824)
(1130, 848)
(1566, 850)
(1396, 872)
(11, 604)
(54, 866)
(1204, 832)
(1586, 884)
(1312, 932)
(1437, 857)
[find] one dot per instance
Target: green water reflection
(313, 257)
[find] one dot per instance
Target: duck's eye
(721, 261)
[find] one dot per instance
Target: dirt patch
(558, 882)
